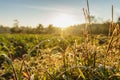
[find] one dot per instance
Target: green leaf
(81, 74)
(7, 58)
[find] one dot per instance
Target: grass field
(87, 50)
(52, 57)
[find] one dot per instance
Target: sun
(63, 20)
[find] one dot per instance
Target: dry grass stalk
(88, 12)
(112, 23)
(112, 13)
(115, 33)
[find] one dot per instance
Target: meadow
(55, 57)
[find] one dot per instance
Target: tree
(16, 23)
(50, 29)
(118, 21)
(93, 19)
(4, 29)
(15, 30)
(40, 29)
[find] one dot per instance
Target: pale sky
(56, 12)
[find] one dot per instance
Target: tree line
(40, 29)
(96, 28)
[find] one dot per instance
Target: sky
(60, 13)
